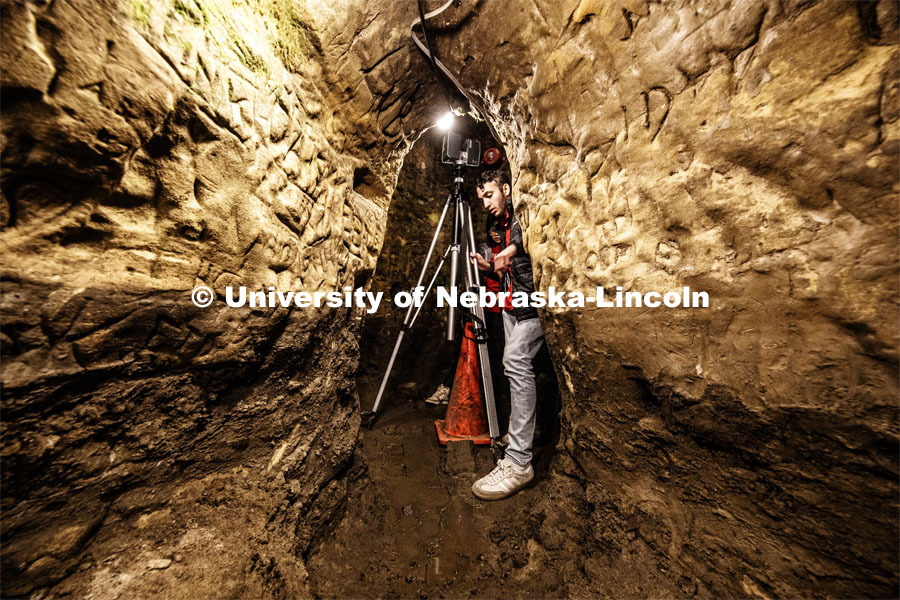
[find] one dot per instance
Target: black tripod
(463, 233)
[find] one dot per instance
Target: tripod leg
(370, 416)
(454, 263)
(437, 272)
(473, 283)
(387, 373)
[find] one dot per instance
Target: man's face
(494, 197)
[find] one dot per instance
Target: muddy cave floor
(413, 528)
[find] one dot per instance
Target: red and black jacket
(520, 265)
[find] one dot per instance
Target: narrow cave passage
(180, 179)
(413, 527)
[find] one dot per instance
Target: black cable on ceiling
(437, 65)
(430, 55)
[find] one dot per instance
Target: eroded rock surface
(749, 150)
(150, 445)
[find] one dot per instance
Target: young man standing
(524, 338)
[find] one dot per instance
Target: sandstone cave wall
(748, 149)
(149, 147)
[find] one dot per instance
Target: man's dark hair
(495, 175)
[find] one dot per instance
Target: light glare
(446, 121)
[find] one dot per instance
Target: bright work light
(446, 121)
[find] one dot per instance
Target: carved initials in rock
(656, 108)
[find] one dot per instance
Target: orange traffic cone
(465, 416)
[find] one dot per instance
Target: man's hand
(501, 261)
(479, 261)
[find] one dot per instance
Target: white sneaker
(440, 396)
(506, 479)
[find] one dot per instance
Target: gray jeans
(523, 340)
